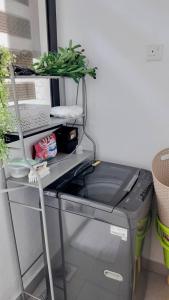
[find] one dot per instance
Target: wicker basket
(32, 116)
(160, 170)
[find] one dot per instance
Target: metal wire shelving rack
(63, 165)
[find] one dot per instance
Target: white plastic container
(18, 171)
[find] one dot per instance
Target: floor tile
(157, 288)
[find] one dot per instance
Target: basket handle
(163, 244)
(165, 157)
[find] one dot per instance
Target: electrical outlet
(154, 52)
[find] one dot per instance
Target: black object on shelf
(67, 139)
(21, 71)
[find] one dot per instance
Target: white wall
(129, 100)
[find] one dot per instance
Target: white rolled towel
(72, 111)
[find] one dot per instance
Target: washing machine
(98, 216)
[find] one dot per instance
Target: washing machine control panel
(142, 188)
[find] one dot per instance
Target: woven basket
(160, 170)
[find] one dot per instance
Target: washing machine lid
(106, 183)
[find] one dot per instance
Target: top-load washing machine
(97, 218)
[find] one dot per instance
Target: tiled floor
(157, 287)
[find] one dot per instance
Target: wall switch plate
(154, 52)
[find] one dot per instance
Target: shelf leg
(44, 255)
(17, 112)
(84, 104)
(5, 199)
(45, 233)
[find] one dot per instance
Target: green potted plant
(69, 62)
(5, 117)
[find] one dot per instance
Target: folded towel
(72, 111)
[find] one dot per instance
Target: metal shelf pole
(46, 242)
(40, 187)
(84, 103)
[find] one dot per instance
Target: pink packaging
(46, 148)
